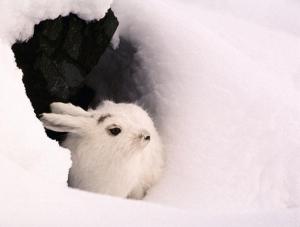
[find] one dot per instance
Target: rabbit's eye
(114, 131)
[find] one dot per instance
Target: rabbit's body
(115, 149)
(101, 172)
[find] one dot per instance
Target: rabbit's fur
(115, 149)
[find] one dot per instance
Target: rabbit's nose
(145, 135)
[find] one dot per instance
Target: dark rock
(57, 59)
(61, 53)
(115, 77)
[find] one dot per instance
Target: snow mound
(228, 105)
(24, 140)
(226, 94)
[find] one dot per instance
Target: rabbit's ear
(63, 122)
(69, 109)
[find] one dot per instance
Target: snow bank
(226, 91)
(30, 202)
(24, 140)
(228, 105)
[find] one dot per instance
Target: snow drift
(225, 96)
(229, 120)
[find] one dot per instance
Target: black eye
(114, 131)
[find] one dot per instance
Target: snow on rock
(21, 15)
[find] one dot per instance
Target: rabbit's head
(113, 127)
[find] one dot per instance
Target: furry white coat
(115, 149)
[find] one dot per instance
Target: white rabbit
(115, 149)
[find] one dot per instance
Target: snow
(230, 118)
(225, 90)
(23, 138)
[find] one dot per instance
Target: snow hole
(70, 60)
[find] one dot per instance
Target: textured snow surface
(226, 89)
